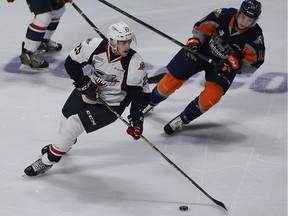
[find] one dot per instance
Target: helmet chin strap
(236, 23)
(114, 47)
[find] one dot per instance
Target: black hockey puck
(183, 208)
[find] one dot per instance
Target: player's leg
(48, 45)
(89, 119)
(180, 71)
(35, 34)
(167, 86)
(215, 87)
(210, 96)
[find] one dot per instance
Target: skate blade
(28, 69)
(45, 52)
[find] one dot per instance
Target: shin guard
(167, 86)
(211, 95)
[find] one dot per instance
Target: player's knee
(210, 96)
(43, 19)
(169, 84)
(57, 14)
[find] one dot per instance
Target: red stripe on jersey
(108, 51)
(37, 28)
(55, 151)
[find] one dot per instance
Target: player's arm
(136, 89)
(254, 54)
(79, 57)
(74, 63)
(202, 30)
(137, 84)
(205, 27)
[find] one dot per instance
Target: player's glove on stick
(230, 65)
(194, 45)
(67, 1)
(136, 122)
(10, 1)
(87, 88)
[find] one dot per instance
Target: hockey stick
(163, 155)
(156, 78)
(203, 57)
(144, 138)
(88, 20)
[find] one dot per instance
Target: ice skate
(49, 46)
(31, 63)
(173, 125)
(38, 167)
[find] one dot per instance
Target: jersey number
(78, 49)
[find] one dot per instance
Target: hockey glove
(230, 65)
(67, 1)
(136, 122)
(10, 1)
(194, 45)
(87, 88)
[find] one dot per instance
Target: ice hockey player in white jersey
(117, 75)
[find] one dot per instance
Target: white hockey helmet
(119, 32)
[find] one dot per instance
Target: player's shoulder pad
(91, 42)
(136, 57)
(137, 70)
(224, 12)
(257, 35)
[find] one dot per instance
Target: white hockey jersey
(112, 77)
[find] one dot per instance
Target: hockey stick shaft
(163, 155)
(203, 57)
(88, 20)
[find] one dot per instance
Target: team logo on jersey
(88, 40)
(103, 79)
(141, 66)
(221, 32)
(259, 40)
(217, 12)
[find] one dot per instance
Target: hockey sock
(56, 15)
(191, 112)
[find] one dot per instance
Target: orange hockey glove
(231, 64)
(194, 45)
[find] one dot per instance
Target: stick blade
(220, 204)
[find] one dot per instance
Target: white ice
(237, 152)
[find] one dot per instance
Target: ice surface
(237, 151)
